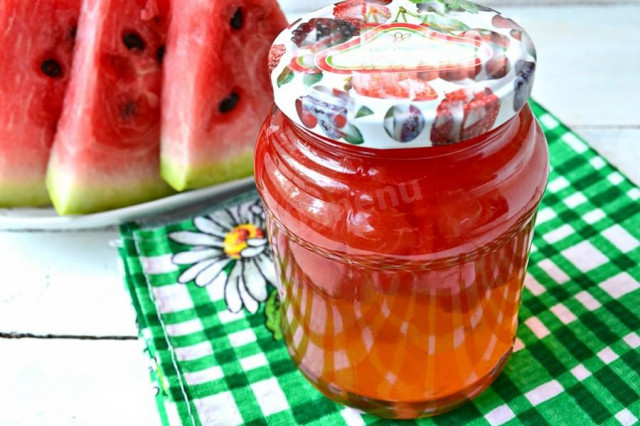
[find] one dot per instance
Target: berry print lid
(389, 74)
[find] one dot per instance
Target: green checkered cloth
(576, 358)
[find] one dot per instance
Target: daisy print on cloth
(229, 250)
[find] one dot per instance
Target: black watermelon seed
(129, 110)
(160, 53)
(51, 68)
(229, 103)
(73, 32)
(238, 19)
(133, 41)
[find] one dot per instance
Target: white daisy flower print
(230, 249)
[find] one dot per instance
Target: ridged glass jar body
(400, 271)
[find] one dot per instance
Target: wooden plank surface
(63, 284)
(74, 382)
(69, 284)
(588, 65)
(588, 74)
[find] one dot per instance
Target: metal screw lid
(389, 74)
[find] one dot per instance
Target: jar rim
(465, 147)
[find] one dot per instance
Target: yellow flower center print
(236, 239)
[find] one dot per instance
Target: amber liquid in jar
(401, 271)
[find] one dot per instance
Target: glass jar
(400, 252)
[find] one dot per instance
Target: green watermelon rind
(23, 194)
(183, 177)
(74, 198)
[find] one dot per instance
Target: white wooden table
(68, 348)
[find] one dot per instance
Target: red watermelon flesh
(106, 151)
(36, 49)
(217, 91)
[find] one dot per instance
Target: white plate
(46, 219)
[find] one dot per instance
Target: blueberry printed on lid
(390, 74)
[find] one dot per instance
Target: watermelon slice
(106, 151)
(36, 49)
(217, 91)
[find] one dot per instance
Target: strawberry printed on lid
(397, 74)
(275, 55)
(362, 13)
(399, 86)
(465, 115)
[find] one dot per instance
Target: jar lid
(389, 74)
